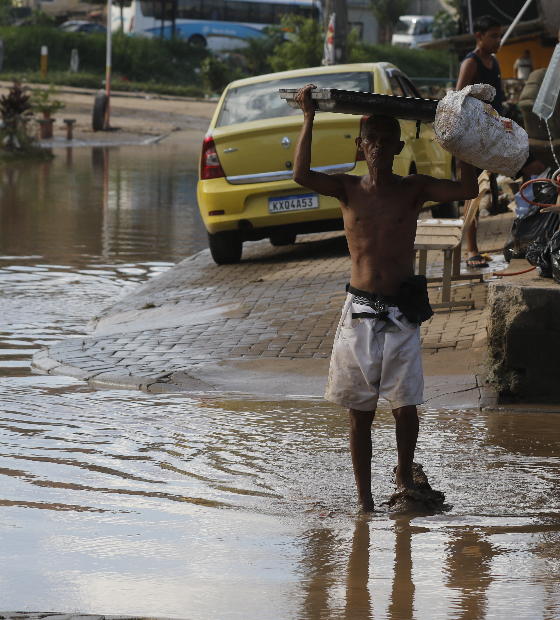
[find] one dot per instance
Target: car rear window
(256, 102)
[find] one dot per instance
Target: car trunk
(260, 147)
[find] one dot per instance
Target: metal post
(108, 65)
(515, 21)
(469, 6)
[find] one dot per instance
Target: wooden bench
(447, 236)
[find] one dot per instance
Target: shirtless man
(381, 354)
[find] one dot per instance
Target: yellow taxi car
(246, 190)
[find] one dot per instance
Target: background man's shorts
(369, 359)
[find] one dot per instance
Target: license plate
(298, 202)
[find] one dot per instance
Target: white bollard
(74, 61)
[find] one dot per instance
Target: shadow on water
(215, 507)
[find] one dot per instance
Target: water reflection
(127, 503)
(128, 203)
(358, 602)
(469, 572)
(402, 594)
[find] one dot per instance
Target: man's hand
(303, 99)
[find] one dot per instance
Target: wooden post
(44, 53)
(69, 126)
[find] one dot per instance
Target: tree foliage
(388, 12)
(444, 25)
(302, 48)
(260, 50)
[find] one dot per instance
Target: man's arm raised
(467, 73)
(303, 175)
(445, 190)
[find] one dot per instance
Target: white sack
(473, 131)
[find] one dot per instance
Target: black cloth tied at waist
(412, 300)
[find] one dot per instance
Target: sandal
(481, 261)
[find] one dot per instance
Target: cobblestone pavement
(278, 302)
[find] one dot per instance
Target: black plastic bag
(554, 250)
(538, 254)
(533, 224)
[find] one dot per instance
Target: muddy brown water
(117, 502)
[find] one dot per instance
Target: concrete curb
(452, 392)
(37, 615)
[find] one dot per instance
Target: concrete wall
(508, 54)
(361, 18)
(523, 357)
(424, 7)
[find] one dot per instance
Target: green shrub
(415, 63)
(217, 74)
(137, 58)
(260, 50)
(92, 80)
(303, 48)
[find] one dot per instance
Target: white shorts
(372, 357)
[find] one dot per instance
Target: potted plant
(14, 112)
(44, 101)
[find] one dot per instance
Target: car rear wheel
(283, 239)
(197, 40)
(226, 247)
(447, 209)
(99, 107)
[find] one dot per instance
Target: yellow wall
(510, 53)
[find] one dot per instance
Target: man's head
(527, 53)
(380, 140)
(488, 32)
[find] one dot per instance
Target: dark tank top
(489, 76)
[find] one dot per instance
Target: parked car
(246, 189)
(81, 25)
(412, 30)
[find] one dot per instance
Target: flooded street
(121, 502)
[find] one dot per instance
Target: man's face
(490, 40)
(380, 146)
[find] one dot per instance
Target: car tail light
(360, 154)
(210, 166)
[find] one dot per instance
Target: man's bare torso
(380, 225)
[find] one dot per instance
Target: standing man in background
(481, 67)
(523, 66)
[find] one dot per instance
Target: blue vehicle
(218, 24)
